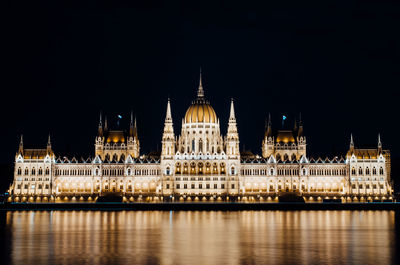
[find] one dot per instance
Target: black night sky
(336, 62)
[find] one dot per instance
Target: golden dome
(200, 111)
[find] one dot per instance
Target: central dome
(200, 111)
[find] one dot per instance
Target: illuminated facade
(201, 164)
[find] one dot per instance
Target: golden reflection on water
(247, 237)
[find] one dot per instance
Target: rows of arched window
(327, 172)
(367, 171)
(33, 171)
(73, 172)
(200, 168)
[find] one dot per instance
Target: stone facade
(201, 164)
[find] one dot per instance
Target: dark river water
(247, 237)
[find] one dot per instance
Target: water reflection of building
(201, 164)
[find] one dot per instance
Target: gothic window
(381, 171)
(19, 171)
(40, 171)
(192, 168)
(222, 166)
(33, 171)
(200, 145)
(293, 157)
(367, 171)
(374, 171)
(278, 157)
(360, 171)
(123, 157)
(304, 171)
(353, 171)
(271, 171)
(193, 145)
(208, 145)
(168, 171)
(26, 171)
(178, 168)
(107, 157)
(232, 171)
(200, 166)
(215, 168)
(115, 157)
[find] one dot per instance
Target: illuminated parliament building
(201, 164)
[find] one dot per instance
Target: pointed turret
(131, 126)
(168, 116)
(379, 144)
(100, 129)
(200, 91)
(105, 124)
(351, 143)
(168, 137)
(232, 137)
(21, 145)
(300, 133)
(49, 145)
(268, 127)
(135, 134)
(232, 111)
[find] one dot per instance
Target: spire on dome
(200, 91)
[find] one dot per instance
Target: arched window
(304, 171)
(360, 171)
(115, 157)
(193, 145)
(381, 171)
(123, 157)
(40, 171)
(374, 170)
(97, 172)
(200, 166)
(26, 171)
(233, 171)
(285, 157)
(222, 167)
(167, 171)
(293, 157)
(367, 171)
(200, 145)
(33, 171)
(278, 157)
(19, 171)
(353, 171)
